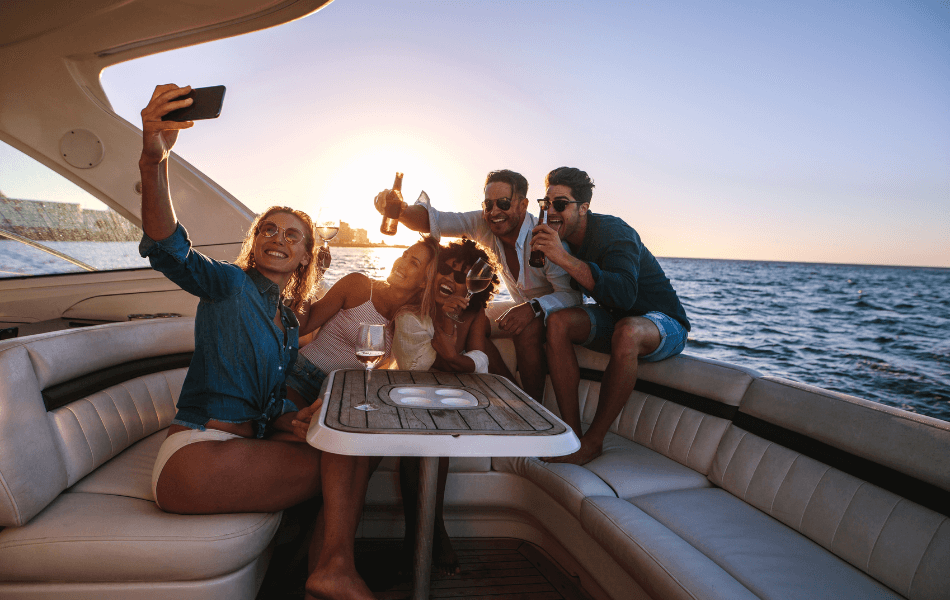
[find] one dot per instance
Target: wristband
(536, 307)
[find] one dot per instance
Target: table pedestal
(425, 526)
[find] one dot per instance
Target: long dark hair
(468, 252)
(303, 283)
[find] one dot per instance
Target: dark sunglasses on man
(446, 268)
(559, 205)
(269, 229)
(503, 204)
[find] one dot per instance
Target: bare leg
(529, 348)
(344, 490)
(566, 328)
(443, 555)
(633, 337)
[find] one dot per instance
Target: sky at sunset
(794, 131)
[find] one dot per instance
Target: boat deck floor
(491, 569)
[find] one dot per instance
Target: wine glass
(327, 225)
(478, 278)
(370, 348)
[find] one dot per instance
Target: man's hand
(545, 239)
(516, 318)
(301, 423)
(380, 201)
(158, 137)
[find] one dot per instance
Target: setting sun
(346, 176)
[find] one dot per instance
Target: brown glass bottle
(536, 259)
(393, 208)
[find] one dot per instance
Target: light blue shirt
(550, 284)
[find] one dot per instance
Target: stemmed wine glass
(370, 348)
(478, 278)
(327, 225)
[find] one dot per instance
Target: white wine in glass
(477, 280)
(327, 226)
(370, 349)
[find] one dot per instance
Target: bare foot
(588, 452)
(444, 559)
(337, 583)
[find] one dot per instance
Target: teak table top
(503, 409)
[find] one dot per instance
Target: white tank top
(335, 344)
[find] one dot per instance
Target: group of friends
(264, 343)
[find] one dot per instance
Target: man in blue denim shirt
(637, 316)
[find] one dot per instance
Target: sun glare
(345, 178)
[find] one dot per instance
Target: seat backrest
(868, 482)
(71, 400)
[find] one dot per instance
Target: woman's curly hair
(303, 282)
(468, 252)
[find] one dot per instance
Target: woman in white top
(426, 338)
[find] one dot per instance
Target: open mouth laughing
(276, 253)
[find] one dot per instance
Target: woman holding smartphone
(232, 447)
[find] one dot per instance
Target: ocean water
(879, 333)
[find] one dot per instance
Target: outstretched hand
(158, 137)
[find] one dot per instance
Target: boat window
(49, 225)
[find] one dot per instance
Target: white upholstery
(75, 482)
(898, 542)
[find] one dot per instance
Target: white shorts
(176, 442)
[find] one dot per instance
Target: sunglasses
(559, 205)
(446, 268)
(503, 204)
(291, 235)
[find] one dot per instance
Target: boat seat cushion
(634, 470)
(767, 557)
(663, 563)
(568, 484)
(898, 542)
(129, 474)
(82, 537)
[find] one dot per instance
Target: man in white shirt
(504, 227)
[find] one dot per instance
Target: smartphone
(207, 105)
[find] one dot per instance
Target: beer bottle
(536, 259)
(393, 208)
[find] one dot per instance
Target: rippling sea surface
(879, 333)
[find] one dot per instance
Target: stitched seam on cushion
(693, 441)
(570, 483)
(867, 569)
(784, 479)
(733, 457)
(838, 524)
(755, 469)
(92, 455)
(128, 434)
(158, 418)
(656, 422)
(104, 428)
(913, 578)
(137, 411)
(17, 517)
(647, 552)
(812, 497)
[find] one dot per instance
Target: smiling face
(275, 256)
(446, 285)
(504, 222)
(570, 222)
(409, 270)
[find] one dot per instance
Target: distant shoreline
(332, 245)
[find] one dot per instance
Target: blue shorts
(306, 378)
(672, 333)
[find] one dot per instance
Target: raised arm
(414, 217)
(158, 138)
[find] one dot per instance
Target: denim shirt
(628, 280)
(241, 357)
